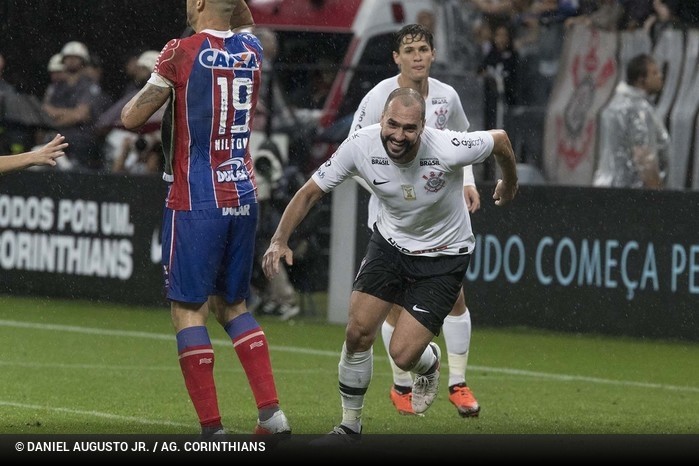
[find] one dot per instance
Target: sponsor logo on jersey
(428, 162)
(362, 114)
(435, 181)
(379, 161)
(232, 170)
(240, 211)
(393, 243)
(215, 58)
(379, 183)
(439, 100)
(468, 142)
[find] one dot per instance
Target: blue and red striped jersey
(215, 76)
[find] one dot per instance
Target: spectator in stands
(70, 106)
(95, 71)
(56, 69)
(665, 16)
(636, 12)
(109, 123)
(499, 70)
(606, 17)
(273, 112)
(56, 74)
(20, 116)
(633, 140)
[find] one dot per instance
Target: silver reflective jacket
(629, 122)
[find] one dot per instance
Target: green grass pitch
(74, 367)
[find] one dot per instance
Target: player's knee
(401, 356)
(403, 361)
(358, 338)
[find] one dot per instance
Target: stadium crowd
(517, 45)
(514, 46)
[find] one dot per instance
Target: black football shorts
(427, 287)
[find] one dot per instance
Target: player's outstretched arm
(297, 209)
(506, 187)
(45, 155)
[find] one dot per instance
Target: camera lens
(140, 144)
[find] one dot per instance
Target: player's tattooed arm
(144, 104)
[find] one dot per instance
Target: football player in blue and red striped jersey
(212, 78)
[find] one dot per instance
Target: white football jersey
(423, 201)
(443, 110)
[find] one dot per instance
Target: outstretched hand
(274, 253)
(47, 154)
(504, 192)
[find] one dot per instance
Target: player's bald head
(407, 97)
(223, 7)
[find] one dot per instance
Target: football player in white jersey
(419, 250)
(414, 53)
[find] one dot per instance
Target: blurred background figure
(606, 16)
(276, 296)
(57, 74)
(56, 68)
(119, 142)
(95, 71)
(499, 70)
(140, 154)
(21, 117)
(633, 140)
(71, 107)
(273, 112)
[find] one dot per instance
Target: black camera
(141, 144)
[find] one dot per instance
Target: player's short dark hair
(637, 68)
(413, 32)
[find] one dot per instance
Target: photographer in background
(276, 296)
(140, 154)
